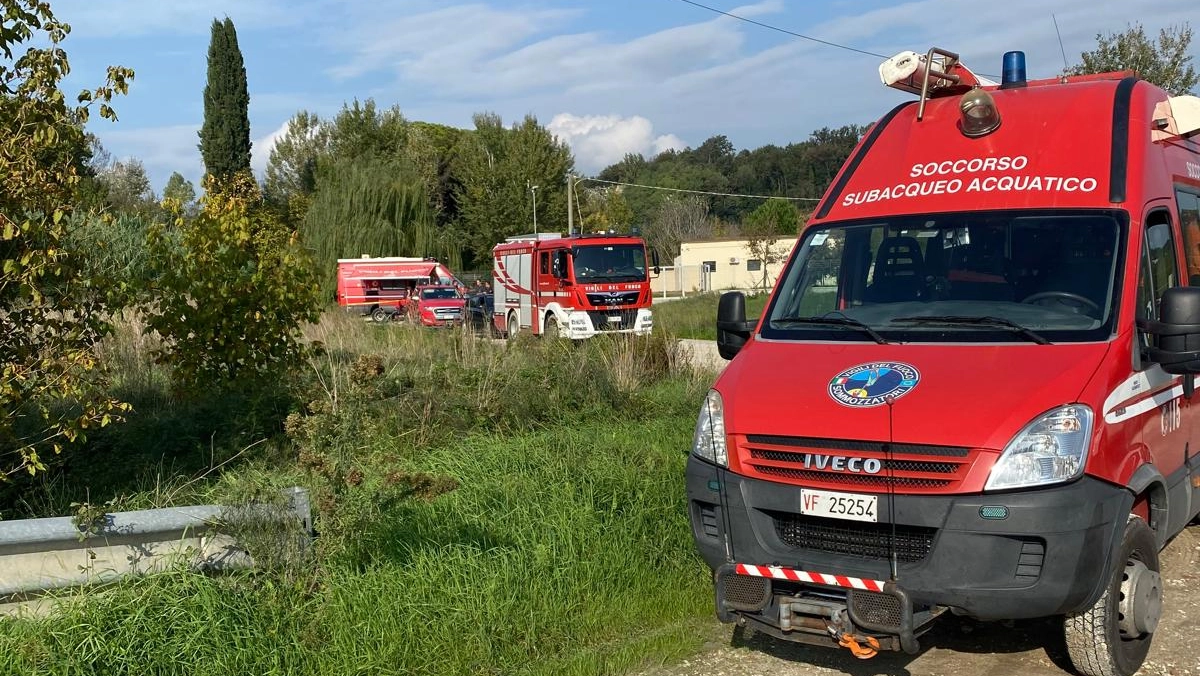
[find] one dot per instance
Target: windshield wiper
(978, 321)
(835, 321)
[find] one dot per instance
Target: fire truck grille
(865, 540)
(612, 299)
(836, 463)
(604, 320)
(858, 480)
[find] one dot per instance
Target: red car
(436, 305)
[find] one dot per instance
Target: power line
(783, 30)
(702, 192)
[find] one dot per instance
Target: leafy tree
(373, 207)
(495, 166)
(678, 219)
(50, 392)
(362, 131)
(605, 209)
(225, 135)
(179, 193)
(234, 288)
(1165, 62)
(127, 187)
(292, 166)
(763, 228)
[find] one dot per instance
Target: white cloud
(260, 150)
(601, 140)
(162, 150)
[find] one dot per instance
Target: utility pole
(570, 209)
(533, 189)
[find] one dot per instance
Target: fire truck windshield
(609, 263)
(998, 276)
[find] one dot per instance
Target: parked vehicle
(380, 288)
(436, 305)
(989, 408)
(573, 287)
(479, 313)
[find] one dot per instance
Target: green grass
(696, 316)
(482, 509)
(563, 551)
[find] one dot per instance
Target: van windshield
(1011, 276)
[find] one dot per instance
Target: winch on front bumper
(813, 579)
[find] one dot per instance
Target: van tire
(512, 326)
(380, 315)
(1094, 637)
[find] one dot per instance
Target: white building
(720, 264)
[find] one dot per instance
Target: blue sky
(608, 76)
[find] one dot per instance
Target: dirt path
(958, 647)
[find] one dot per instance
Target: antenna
(890, 459)
(1066, 66)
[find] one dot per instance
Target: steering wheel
(1070, 298)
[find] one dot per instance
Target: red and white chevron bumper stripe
(779, 573)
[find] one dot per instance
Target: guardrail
(41, 555)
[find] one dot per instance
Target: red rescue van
(380, 288)
(972, 389)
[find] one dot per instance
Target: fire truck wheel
(550, 327)
(512, 326)
(380, 315)
(1113, 636)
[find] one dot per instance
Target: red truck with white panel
(972, 390)
(573, 287)
(381, 288)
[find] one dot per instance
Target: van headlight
(709, 441)
(1050, 450)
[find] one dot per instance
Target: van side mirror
(732, 328)
(1177, 348)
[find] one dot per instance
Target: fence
(41, 555)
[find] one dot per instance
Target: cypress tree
(225, 136)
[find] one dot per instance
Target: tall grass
(696, 316)
(482, 508)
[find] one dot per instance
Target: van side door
(1168, 434)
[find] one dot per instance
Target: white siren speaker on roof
(905, 71)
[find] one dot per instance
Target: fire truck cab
(572, 287)
(973, 387)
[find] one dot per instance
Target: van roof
(1059, 144)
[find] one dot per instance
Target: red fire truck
(573, 287)
(380, 288)
(973, 387)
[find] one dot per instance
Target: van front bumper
(1050, 553)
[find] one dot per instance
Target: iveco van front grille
(857, 465)
(850, 538)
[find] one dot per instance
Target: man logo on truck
(873, 384)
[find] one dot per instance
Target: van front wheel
(1113, 636)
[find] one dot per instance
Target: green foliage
(605, 209)
(497, 167)
(773, 217)
(127, 188)
(114, 257)
(49, 317)
(1165, 62)
(225, 135)
(233, 289)
(368, 207)
(179, 193)
(292, 167)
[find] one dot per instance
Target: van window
(1189, 223)
(544, 263)
(1158, 270)
(987, 276)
